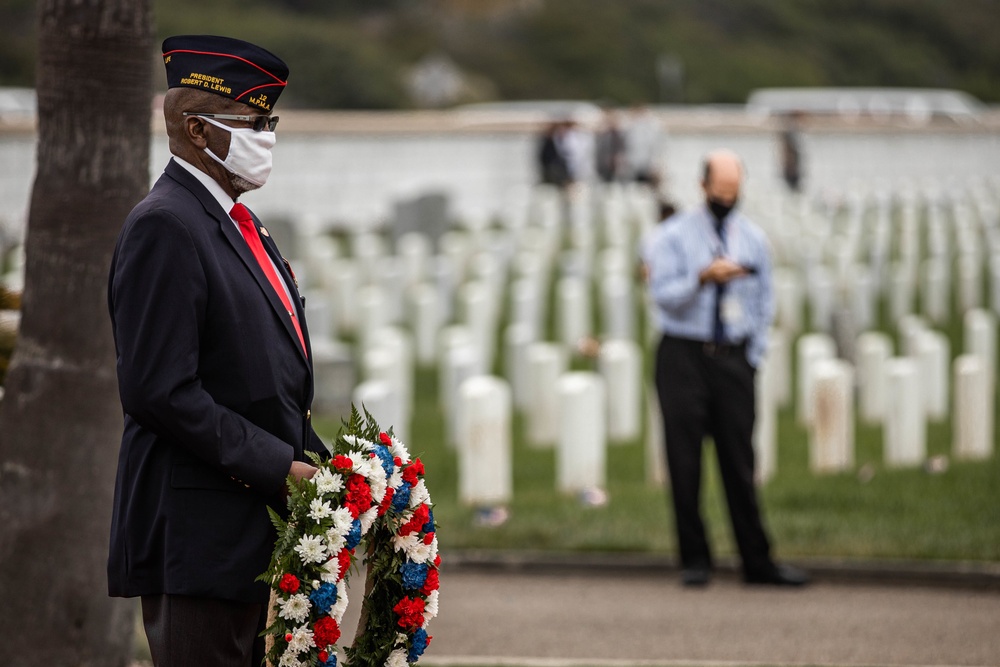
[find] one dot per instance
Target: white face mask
(249, 152)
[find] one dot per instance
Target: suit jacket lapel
(239, 244)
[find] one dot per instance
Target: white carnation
(398, 449)
(434, 549)
(330, 571)
(296, 608)
(342, 521)
(431, 606)
(328, 482)
(396, 659)
(302, 640)
(401, 639)
(362, 464)
(310, 549)
(340, 606)
(419, 494)
(378, 487)
(405, 543)
(368, 518)
(319, 509)
(419, 553)
(290, 659)
(335, 541)
(395, 479)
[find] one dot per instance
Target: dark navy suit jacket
(216, 392)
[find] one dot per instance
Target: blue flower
(385, 456)
(418, 645)
(330, 662)
(401, 499)
(429, 526)
(414, 574)
(324, 597)
(354, 535)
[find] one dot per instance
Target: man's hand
(721, 270)
(301, 470)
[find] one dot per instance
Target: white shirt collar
(214, 189)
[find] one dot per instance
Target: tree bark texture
(60, 420)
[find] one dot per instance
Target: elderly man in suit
(214, 366)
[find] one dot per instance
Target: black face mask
(720, 210)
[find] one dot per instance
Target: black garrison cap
(225, 66)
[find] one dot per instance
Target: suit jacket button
(309, 414)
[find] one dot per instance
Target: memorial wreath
(368, 493)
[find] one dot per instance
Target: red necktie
(242, 216)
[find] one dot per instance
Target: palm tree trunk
(60, 420)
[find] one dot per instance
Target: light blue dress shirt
(686, 309)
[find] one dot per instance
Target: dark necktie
(242, 216)
(719, 329)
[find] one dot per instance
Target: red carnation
(437, 560)
(326, 632)
(384, 437)
(428, 538)
(342, 463)
(386, 501)
(410, 612)
(421, 515)
(359, 495)
(344, 560)
(432, 582)
(289, 583)
(323, 655)
(398, 461)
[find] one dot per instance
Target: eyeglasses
(260, 123)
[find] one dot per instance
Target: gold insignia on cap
(263, 230)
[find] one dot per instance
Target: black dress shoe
(779, 575)
(696, 576)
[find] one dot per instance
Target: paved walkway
(518, 616)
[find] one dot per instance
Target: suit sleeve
(673, 282)
(159, 294)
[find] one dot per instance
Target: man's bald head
(722, 176)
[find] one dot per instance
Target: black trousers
(188, 631)
(709, 391)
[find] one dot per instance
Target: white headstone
(414, 251)
(970, 282)
(345, 283)
(617, 307)
(933, 351)
(425, 320)
(479, 316)
(319, 314)
(573, 310)
(546, 363)
(831, 435)
(526, 304)
(901, 290)
(779, 367)
(821, 299)
(810, 348)
(517, 338)
(582, 452)
(905, 430)
(936, 306)
(874, 350)
(381, 399)
(461, 362)
(620, 364)
(973, 402)
(862, 295)
(371, 311)
(788, 295)
(485, 472)
(333, 377)
(980, 336)
(765, 432)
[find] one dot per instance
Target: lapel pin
(263, 230)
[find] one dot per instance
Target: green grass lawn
(908, 514)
